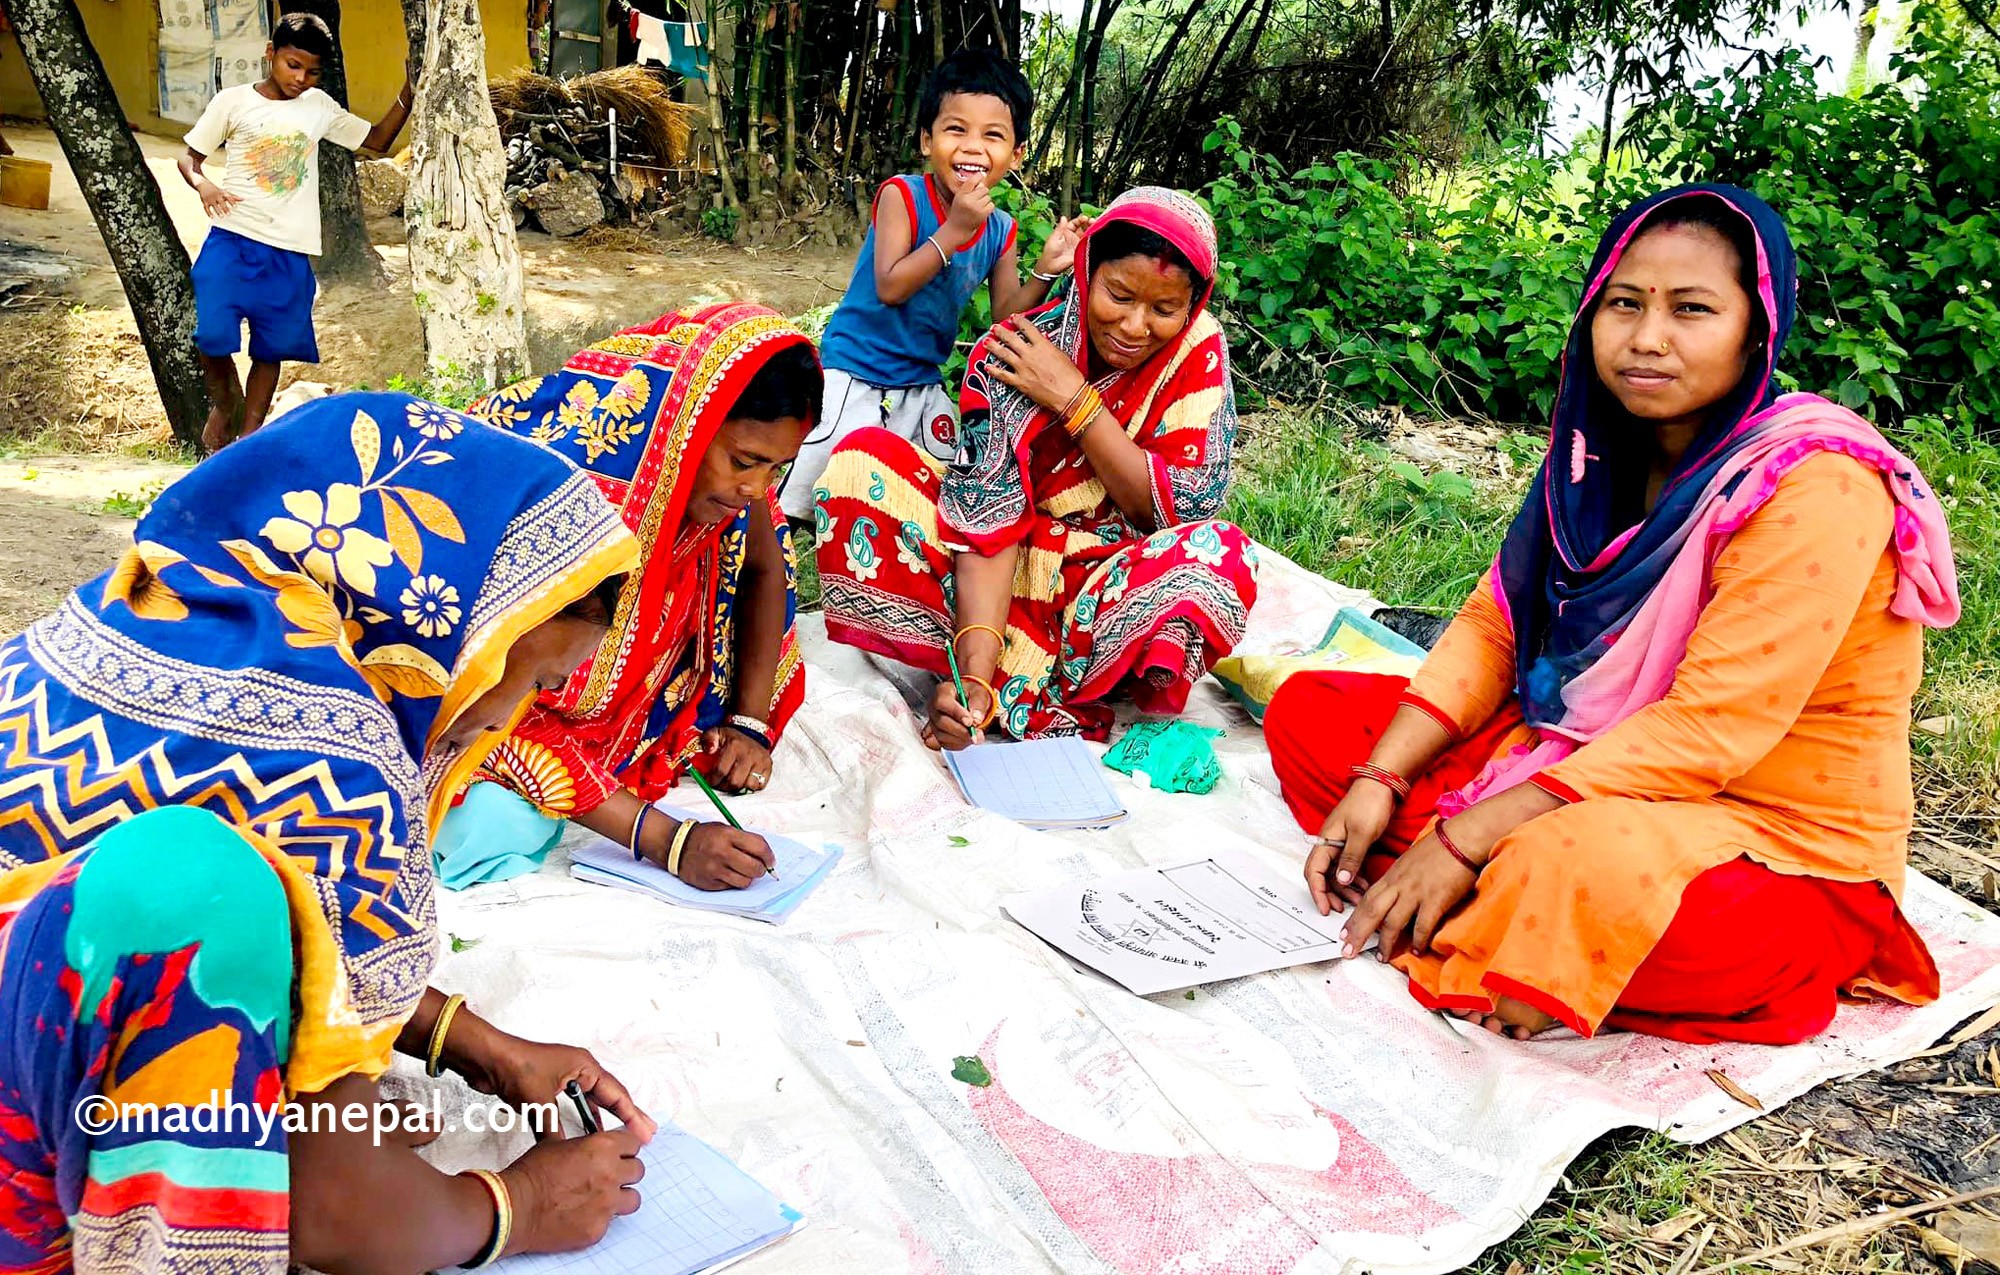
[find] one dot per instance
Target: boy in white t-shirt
(255, 265)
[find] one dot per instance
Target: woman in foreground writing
(226, 756)
(1656, 774)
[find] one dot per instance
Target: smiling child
(932, 239)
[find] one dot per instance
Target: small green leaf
(1189, 993)
(463, 945)
(958, 841)
(970, 1070)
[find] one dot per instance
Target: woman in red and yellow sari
(1071, 548)
(687, 424)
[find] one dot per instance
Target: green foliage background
(1455, 293)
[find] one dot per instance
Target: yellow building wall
(126, 34)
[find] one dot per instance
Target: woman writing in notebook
(215, 882)
(687, 425)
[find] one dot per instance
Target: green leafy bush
(1456, 294)
(1893, 198)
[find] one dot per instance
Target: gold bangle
(1074, 399)
(974, 628)
(503, 1219)
(680, 843)
(434, 1056)
(1085, 412)
(992, 700)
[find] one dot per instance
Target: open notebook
(801, 868)
(698, 1212)
(1042, 783)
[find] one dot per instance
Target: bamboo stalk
(864, 52)
(788, 148)
(753, 109)
(717, 128)
(1078, 50)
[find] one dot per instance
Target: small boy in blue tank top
(933, 238)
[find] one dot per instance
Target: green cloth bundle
(1173, 755)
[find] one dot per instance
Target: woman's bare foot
(1510, 1018)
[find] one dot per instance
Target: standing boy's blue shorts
(237, 279)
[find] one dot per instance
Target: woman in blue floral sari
(224, 759)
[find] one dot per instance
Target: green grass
(1342, 507)
(1962, 663)
(808, 564)
(1639, 1179)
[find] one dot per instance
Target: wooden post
(126, 205)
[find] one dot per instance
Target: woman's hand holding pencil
(955, 723)
(719, 857)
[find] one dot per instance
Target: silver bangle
(932, 241)
(1050, 279)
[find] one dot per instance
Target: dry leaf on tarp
(1734, 1090)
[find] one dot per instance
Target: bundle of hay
(557, 128)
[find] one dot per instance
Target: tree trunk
(937, 33)
(465, 263)
(1139, 106)
(124, 202)
(345, 252)
(1610, 109)
(416, 28)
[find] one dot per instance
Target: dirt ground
(55, 528)
(71, 363)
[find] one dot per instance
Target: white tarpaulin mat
(1310, 1120)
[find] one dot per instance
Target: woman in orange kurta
(1656, 773)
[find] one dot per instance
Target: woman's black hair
(789, 384)
(600, 605)
(306, 32)
(1121, 239)
(983, 72)
(1711, 211)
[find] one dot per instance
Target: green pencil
(703, 785)
(951, 654)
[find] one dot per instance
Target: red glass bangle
(1387, 778)
(1444, 839)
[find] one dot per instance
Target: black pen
(575, 1092)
